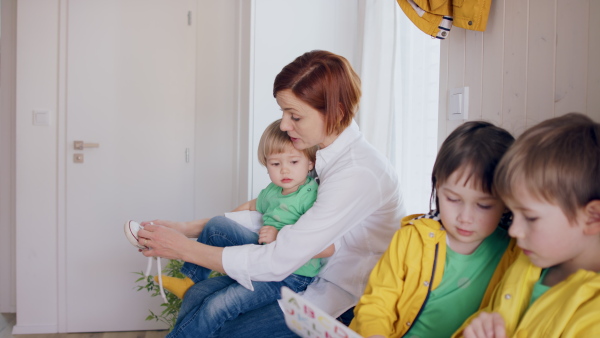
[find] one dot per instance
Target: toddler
(290, 194)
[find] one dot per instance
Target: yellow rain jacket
(420, 245)
(436, 17)
(568, 309)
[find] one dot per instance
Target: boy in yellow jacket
(447, 258)
(550, 179)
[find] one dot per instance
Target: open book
(307, 320)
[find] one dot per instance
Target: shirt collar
(338, 146)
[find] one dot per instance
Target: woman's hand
(486, 325)
(189, 229)
(162, 241)
(267, 234)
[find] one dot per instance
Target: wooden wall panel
(473, 66)
(540, 61)
(593, 71)
(443, 100)
(515, 68)
(571, 56)
(456, 69)
(493, 59)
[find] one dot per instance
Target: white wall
(219, 116)
(536, 60)
(282, 31)
(7, 157)
(36, 162)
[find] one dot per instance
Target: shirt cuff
(235, 264)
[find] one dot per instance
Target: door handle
(79, 145)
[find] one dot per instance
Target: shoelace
(131, 234)
(160, 284)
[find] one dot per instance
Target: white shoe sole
(131, 230)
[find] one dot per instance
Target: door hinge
(189, 18)
(187, 155)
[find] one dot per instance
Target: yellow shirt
(569, 309)
(392, 299)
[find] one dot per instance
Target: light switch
(41, 117)
(458, 104)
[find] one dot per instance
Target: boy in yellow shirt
(438, 267)
(550, 179)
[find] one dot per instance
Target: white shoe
(131, 232)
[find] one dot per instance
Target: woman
(358, 206)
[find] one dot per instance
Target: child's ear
(311, 165)
(592, 214)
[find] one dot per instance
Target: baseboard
(6, 308)
(20, 329)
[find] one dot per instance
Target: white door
(130, 89)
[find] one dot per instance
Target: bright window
(399, 108)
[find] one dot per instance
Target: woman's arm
(268, 234)
(163, 241)
(343, 203)
(191, 229)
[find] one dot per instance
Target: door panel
(130, 89)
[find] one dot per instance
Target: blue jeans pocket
(298, 283)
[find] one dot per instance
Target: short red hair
(326, 82)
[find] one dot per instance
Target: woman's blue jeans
(211, 302)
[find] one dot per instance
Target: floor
(7, 321)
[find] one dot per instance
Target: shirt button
(408, 323)
(507, 296)
(470, 23)
(444, 33)
(426, 283)
(431, 234)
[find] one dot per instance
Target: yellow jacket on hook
(436, 17)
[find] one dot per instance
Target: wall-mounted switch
(458, 104)
(41, 117)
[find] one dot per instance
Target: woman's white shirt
(358, 208)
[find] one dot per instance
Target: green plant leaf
(171, 307)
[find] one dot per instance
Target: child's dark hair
(274, 141)
(557, 161)
(476, 146)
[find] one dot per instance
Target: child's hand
(486, 325)
(267, 234)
